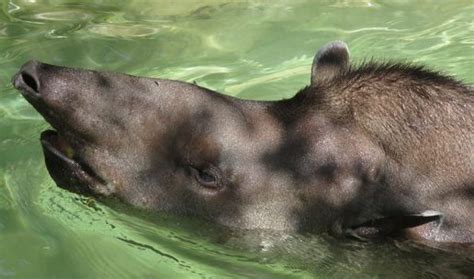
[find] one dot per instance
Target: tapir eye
(207, 177)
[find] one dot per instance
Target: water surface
(258, 50)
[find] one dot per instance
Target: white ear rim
(321, 70)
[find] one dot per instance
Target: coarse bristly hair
(391, 101)
(406, 80)
(404, 71)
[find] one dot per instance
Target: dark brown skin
(368, 152)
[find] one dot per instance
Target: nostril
(30, 81)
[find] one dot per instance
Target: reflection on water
(256, 50)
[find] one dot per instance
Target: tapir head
(176, 147)
(158, 144)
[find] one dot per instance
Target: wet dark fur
(421, 119)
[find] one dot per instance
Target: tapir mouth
(67, 169)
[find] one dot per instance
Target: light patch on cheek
(344, 191)
(270, 204)
(110, 168)
(106, 189)
(141, 200)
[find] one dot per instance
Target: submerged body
(369, 151)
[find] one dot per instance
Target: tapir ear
(330, 60)
(412, 225)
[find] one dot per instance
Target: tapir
(370, 151)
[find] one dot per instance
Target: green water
(258, 50)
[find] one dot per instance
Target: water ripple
(257, 50)
(62, 16)
(126, 31)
